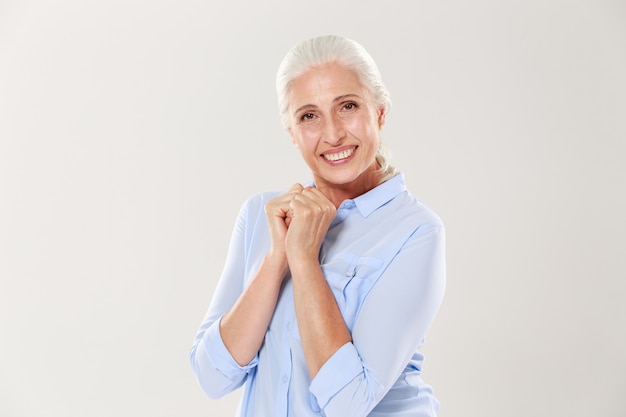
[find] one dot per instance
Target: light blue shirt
(383, 258)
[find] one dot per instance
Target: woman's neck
(338, 193)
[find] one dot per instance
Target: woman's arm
(244, 326)
(215, 369)
(391, 324)
(321, 325)
(234, 328)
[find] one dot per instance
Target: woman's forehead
(325, 83)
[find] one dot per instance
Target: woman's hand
(243, 327)
(309, 215)
(298, 222)
(278, 219)
(320, 323)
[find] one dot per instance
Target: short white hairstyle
(349, 54)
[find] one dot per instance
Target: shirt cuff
(220, 357)
(336, 373)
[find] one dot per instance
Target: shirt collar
(373, 199)
(376, 197)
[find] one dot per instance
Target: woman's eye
(349, 106)
(307, 117)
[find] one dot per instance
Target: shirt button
(284, 379)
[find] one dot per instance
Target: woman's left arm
(321, 326)
(391, 324)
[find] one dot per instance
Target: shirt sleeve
(216, 370)
(392, 323)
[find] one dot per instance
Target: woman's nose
(334, 130)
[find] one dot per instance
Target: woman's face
(336, 125)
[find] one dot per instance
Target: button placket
(284, 378)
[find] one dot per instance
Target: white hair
(321, 50)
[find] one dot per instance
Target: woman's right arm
(244, 326)
(216, 370)
(233, 330)
(226, 351)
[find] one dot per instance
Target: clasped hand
(298, 221)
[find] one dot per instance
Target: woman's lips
(340, 155)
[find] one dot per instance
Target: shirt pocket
(350, 278)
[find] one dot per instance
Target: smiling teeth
(339, 155)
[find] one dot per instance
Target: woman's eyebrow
(306, 106)
(346, 96)
(335, 100)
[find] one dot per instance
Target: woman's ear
(292, 138)
(382, 116)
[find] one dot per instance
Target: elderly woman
(329, 288)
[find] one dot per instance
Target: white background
(132, 131)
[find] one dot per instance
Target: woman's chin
(342, 178)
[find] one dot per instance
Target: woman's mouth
(339, 156)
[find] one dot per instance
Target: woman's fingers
(278, 217)
(296, 188)
(279, 206)
(311, 214)
(312, 203)
(302, 215)
(294, 191)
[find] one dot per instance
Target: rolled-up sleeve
(389, 328)
(341, 369)
(216, 370)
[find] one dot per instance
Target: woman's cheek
(310, 134)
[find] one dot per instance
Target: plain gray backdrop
(132, 131)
